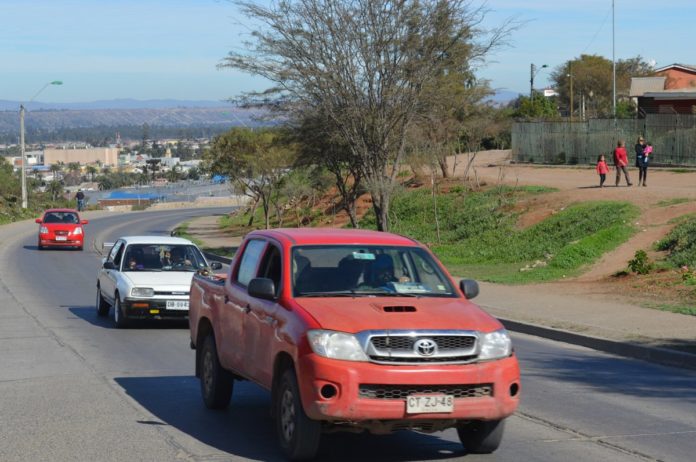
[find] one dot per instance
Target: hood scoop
(397, 309)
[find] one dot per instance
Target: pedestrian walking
(602, 170)
(80, 198)
(643, 152)
(621, 162)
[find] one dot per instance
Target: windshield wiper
(336, 293)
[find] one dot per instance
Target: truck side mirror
(109, 265)
(469, 287)
(262, 288)
(215, 265)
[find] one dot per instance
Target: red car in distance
(61, 228)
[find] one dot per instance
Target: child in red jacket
(602, 169)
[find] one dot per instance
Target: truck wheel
(481, 436)
(102, 306)
(298, 435)
(120, 318)
(216, 382)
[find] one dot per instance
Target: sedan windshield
(346, 270)
(61, 217)
(160, 257)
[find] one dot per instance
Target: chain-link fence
(673, 138)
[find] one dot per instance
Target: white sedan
(148, 277)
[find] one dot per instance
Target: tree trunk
(380, 204)
(442, 162)
(253, 212)
(352, 214)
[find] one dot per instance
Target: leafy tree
(55, 189)
(540, 107)
(193, 174)
(91, 171)
(365, 65)
(320, 144)
(254, 161)
(55, 169)
(592, 77)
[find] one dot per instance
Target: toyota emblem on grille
(425, 347)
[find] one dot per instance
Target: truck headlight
(336, 345)
(142, 292)
(495, 345)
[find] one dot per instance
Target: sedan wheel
(120, 318)
(101, 305)
(298, 435)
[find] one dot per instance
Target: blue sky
(162, 49)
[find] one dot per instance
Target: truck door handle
(247, 309)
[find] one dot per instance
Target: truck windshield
(349, 270)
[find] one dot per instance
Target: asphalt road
(74, 388)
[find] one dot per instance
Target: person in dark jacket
(641, 162)
(80, 197)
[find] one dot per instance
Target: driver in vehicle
(383, 271)
(177, 258)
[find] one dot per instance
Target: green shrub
(681, 244)
(640, 263)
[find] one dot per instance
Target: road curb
(657, 355)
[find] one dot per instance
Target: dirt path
(579, 184)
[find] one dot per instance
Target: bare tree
(365, 65)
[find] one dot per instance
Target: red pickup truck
(352, 330)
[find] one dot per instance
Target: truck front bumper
(350, 391)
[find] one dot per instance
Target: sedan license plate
(419, 404)
(177, 304)
(61, 238)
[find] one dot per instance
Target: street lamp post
(533, 71)
(21, 142)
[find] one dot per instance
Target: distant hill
(503, 97)
(51, 120)
(115, 104)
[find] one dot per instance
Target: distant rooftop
(686, 67)
(642, 85)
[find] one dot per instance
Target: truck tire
(120, 318)
(298, 435)
(102, 306)
(216, 383)
(481, 436)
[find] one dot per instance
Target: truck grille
(444, 342)
(369, 391)
(417, 347)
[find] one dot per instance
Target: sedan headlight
(43, 230)
(77, 231)
(336, 345)
(142, 292)
(495, 345)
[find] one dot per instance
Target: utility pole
(570, 74)
(532, 73)
(613, 58)
(25, 202)
(24, 157)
